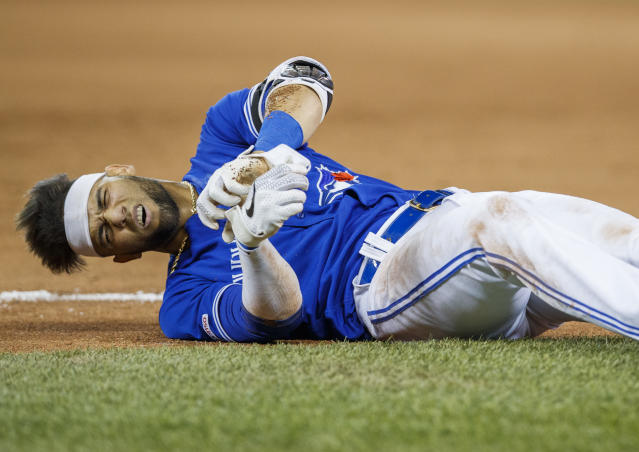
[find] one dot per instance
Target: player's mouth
(142, 216)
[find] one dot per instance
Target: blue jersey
(203, 296)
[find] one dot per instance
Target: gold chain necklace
(186, 239)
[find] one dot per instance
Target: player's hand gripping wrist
(272, 199)
(230, 183)
(283, 155)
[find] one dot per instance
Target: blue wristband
(243, 247)
(279, 127)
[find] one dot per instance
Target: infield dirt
(481, 95)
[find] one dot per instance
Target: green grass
(452, 395)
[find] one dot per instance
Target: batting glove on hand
(272, 199)
(284, 155)
(230, 183)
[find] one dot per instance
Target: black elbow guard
(300, 70)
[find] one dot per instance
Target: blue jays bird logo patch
(332, 184)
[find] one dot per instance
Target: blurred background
(484, 95)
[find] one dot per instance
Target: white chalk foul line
(45, 295)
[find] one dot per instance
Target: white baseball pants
(509, 265)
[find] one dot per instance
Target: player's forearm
(301, 93)
(299, 101)
(270, 289)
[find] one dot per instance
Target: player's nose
(116, 215)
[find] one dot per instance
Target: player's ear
(122, 258)
(119, 170)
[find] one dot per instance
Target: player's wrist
(243, 247)
(241, 230)
(272, 199)
(279, 128)
(282, 154)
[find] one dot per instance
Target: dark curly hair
(42, 219)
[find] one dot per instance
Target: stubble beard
(169, 214)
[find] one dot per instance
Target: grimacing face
(130, 214)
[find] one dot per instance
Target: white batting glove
(272, 199)
(230, 183)
(226, 187)
(284, 155)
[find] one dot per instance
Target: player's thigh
(610, 229)
(435, 281)
(473, 300)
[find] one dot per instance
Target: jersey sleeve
(225, 132)
(228, 130)
(195, 308)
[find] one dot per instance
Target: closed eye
(101, 196)
(98, 197)
(102, 234)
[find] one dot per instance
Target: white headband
(76, 215)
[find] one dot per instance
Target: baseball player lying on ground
(288, 243)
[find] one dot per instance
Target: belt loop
(376, 246)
